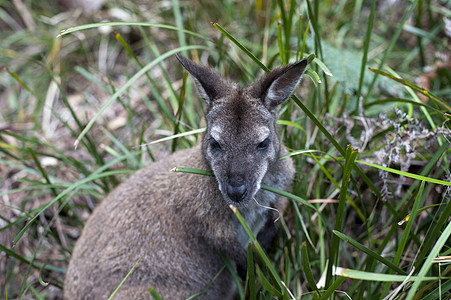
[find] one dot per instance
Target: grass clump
(370, 208)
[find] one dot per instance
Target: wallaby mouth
(238, 193)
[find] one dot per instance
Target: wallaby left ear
(277, 86)
(209, 83)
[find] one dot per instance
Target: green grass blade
(407, 232)
(124, 150)
(154, 294)
(263, 186)
(179, 22)
(178, 115)
(36, 293)
(289, 123)
(299, 38)
(251, 273)
(209, 284)
(430, 238)
(301, 55)
(127, 48)
(306, 268)
(313, 16)
(175, 136)
(406, 218)
(166, 82)
(408, 101)
(444, 237)
(242, 47)
(141, 24)
(333, 288)
(392, 43)
(315, 120)
(371, 276)
(351, 154)
(439, 292)
(232, 270)
(125, 278)
(20, 81)
(92, 78)
(370, 252)
(414, 87)
(129, 83)
(409, 225)
(98, 174)
(280, 43)
(313, 76)
(297, 152)
(267, 285)
(258, 248)
(36, 265)
(335, 183)
(193, 171)
(61, 195)
(406, 174)
(288, 195)
(287, 26)
(302, 223)
(417, 31)
(323, 67)
(41, 169)
(366, 45)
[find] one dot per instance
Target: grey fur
(178, 225)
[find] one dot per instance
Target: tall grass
(369, 212)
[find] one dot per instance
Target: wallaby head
(241, 142)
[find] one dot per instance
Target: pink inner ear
(276, 87)
(284, 83)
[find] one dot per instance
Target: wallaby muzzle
(236, 190)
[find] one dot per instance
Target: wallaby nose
(236, 190)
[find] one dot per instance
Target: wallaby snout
(237, 189)
(173, 229)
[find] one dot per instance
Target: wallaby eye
(214, 144)
(263, 145)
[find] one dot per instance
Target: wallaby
(178, 227)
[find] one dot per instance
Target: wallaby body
(178, 226)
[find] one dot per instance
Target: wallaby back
(177, 227)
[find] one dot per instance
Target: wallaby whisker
(269, 208)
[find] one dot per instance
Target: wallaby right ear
(209, 83)
(277, 86)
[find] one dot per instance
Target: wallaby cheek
(265, 163)
(217, 166)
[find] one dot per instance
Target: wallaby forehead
(255, 134)
(239, 113)
(240, 105)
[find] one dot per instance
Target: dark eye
(214, 144)
(263, 145)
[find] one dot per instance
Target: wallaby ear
(209, 83)
(277, 86)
